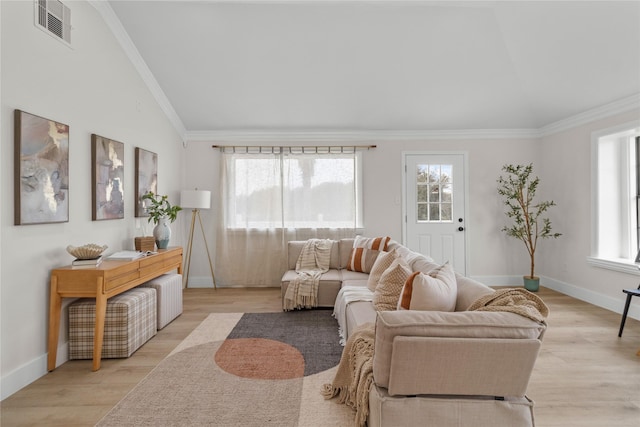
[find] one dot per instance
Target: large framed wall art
(107, 178)
(41, 168)
(146, 177)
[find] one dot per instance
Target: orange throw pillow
(365, 251)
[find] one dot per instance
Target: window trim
(622, 265)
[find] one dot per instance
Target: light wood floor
(585, 375)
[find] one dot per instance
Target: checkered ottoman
(130, 321)
(169, 291)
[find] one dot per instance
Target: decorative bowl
(88, 251)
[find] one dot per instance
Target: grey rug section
(313, 332)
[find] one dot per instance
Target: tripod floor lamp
(196, 200)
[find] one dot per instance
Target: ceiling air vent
(55, 18)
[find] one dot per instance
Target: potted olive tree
(518, 188)
(162, 213)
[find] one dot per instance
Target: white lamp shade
(195, 199)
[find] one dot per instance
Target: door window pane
(434, 196)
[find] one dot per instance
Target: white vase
(162, 233)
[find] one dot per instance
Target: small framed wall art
(41, 168)
(146, 177)
(107, 178)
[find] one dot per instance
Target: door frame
(465, 162)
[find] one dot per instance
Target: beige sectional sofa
(436, 368)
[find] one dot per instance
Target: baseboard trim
(206, 282)
(30, 372)
(609, 303)
(200, 282)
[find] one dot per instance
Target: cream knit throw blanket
(519, 301)
(314, 259)
(354, 376)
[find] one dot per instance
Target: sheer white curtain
(270, 199)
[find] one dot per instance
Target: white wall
(202, 173)
(566, 171)
(383, 200)
(489, 251)
(562, 161)
(93, 88)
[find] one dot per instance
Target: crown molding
(285, 135)
(617, 107)
(121, 35)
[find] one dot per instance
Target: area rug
(234, 369)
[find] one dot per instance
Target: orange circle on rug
(260, 358)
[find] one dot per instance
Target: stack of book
(126, 255)
(86, 263)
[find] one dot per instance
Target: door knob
(460, 228)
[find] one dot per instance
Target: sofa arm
(405, 339)
(461, 366)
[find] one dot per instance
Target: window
(293, 190)
(434, 198)
(617, 194)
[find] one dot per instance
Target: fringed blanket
(354, 376)
(313, 261)
(519, 301)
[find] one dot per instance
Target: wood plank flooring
(585, 375)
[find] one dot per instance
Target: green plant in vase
(162, 213)
(518, 188)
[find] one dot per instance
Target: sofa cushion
(328, 288)
(377, 243)
(348, 275)
(358, 313)
(362, 259)
(329, 276)
(406, 253)
(386, 410)
(384, 261)
(387, 293)
(469, 291)
(364, 252)
(294, 247)
(466, 324)
(424, 264)
(345, 246)
(435, 291)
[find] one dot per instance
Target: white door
(435, 207)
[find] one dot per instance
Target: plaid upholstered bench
(169, 293)
(130, 321)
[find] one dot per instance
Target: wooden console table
(108, 279)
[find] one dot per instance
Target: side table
(110, 278)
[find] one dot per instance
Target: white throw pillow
(436, 291)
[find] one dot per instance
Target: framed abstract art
(146, 177)
(41, 167)
(107, 178)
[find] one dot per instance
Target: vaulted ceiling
(384, 65)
